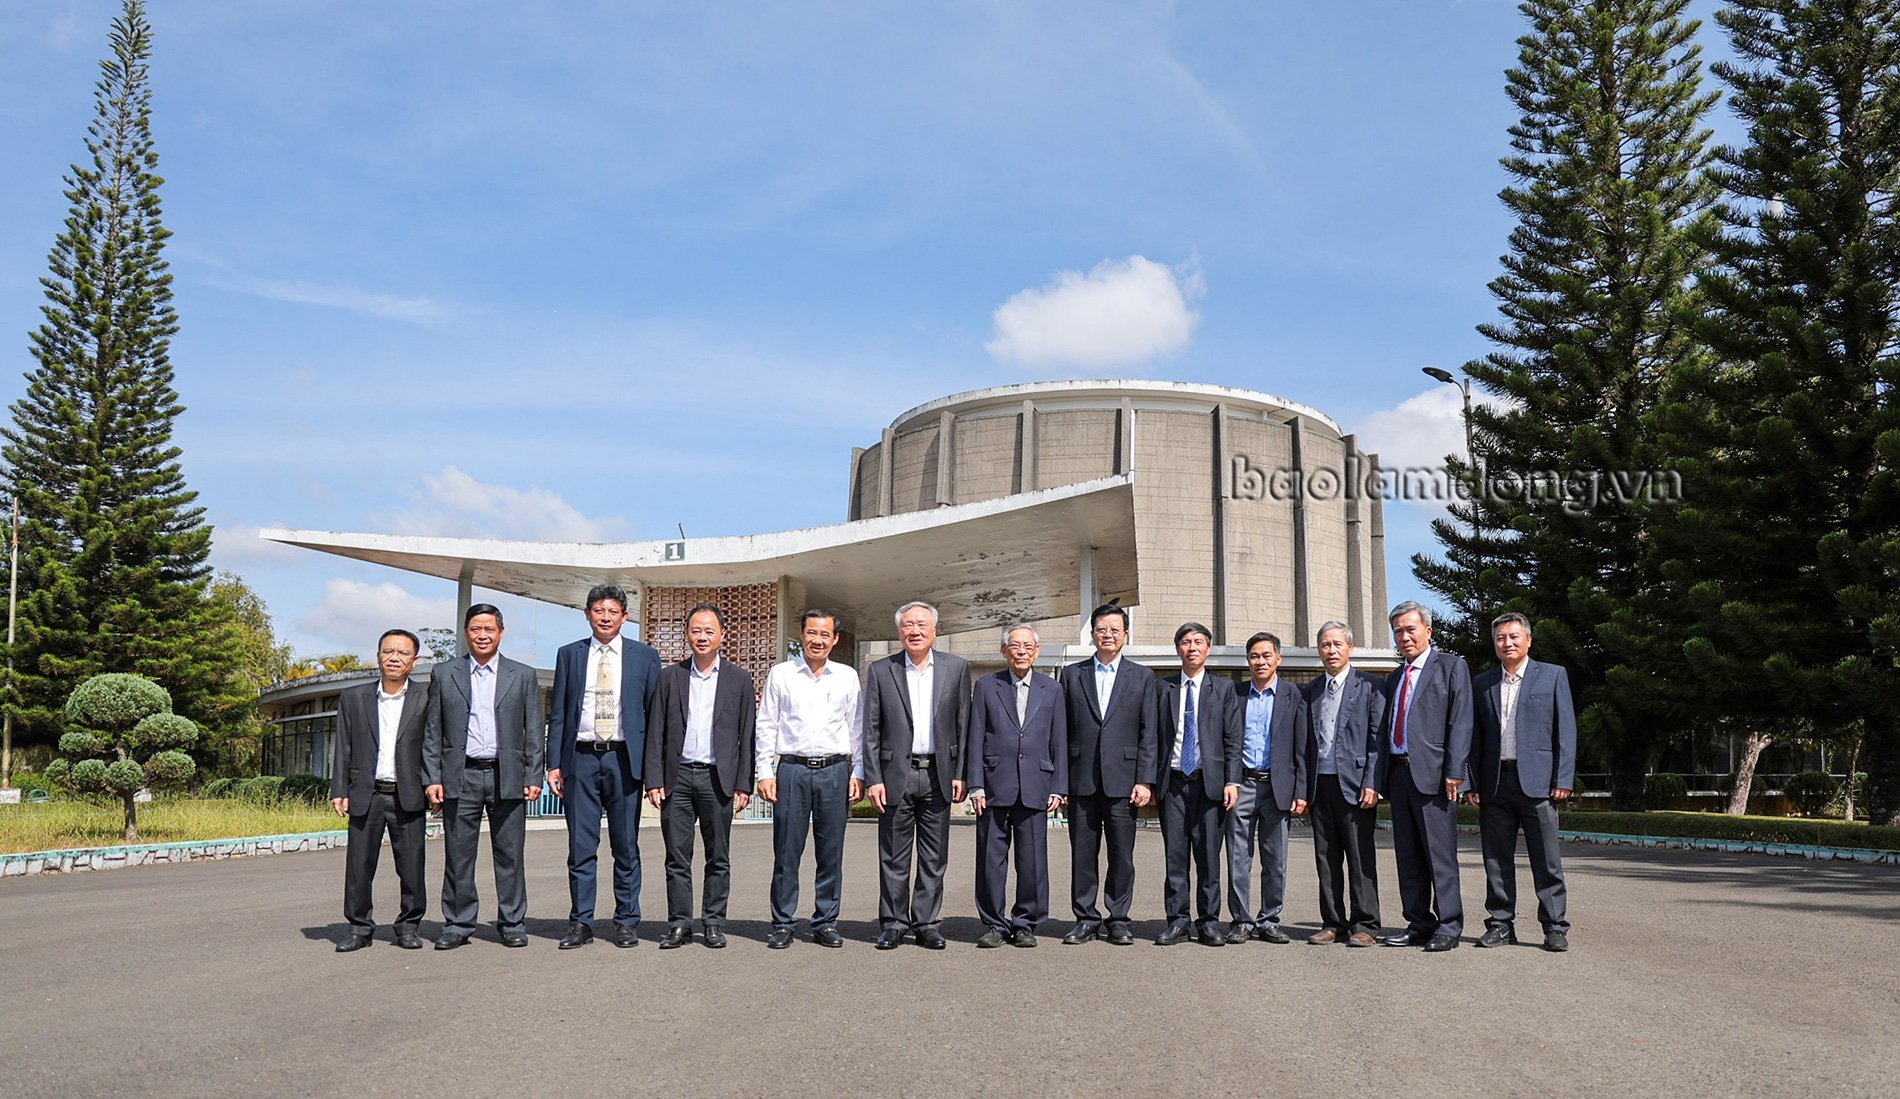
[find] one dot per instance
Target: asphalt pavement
(1689, 973)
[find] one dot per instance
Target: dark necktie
(1190, 737)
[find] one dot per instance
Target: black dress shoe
(1238, 933)
(1177, 932)
(354, 942)
(715, 936)
(578, 935)
(889, 938)
(1023, 937)
(1441, 943)
(1270, 933)
(1556, 941)
(626, 935)
(1081, 933)
(1120, 934)
(991, 940)
(779, 939)
(449, 940)
(1498, 935)
(931, 939)
(1407, 938)
(515, 939)
(675, 937)
(1211, 934)
(409, 940)
(827, 936)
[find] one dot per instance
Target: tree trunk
(1847, 793)
(1629, 768)
(1752, 749)
(131, 819)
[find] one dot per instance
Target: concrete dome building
(1251, 512)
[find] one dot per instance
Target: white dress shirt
(920, 681)
(388, 723)
(801, 714)
(1180, 714)
(1507, 711)
(1105, 679)
(599, 650)
(702, 692)
(1414, 670)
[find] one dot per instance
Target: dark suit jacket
(732, 727)
(1356, 737)
(518, 726)
(1437, 723)
(358, 738)
(1018, 764)
(1110, 752)
(639, 675)
(887, 717)
(1289, 742)
(1546, 730)
(1219, 720)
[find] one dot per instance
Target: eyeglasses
(1021, 647)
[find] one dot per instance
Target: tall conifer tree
(113, 548)
(1608, 185)
(1788, 559)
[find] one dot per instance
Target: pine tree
(1608, 186)
(1788, 557)
(113, 549)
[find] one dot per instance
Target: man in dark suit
(916, 717)
(1113, 727)
(482, 752)
(376, 781)
(1524, 762)
(1273, 784)
(1346, 707)
(1427, 747)
(1018, 773)
(597, 750)
(1198, 778)
(699, 762)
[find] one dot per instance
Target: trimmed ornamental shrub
(1722, 826)
(1811, 791)
(308, 788)
(122, 737)
(1661, 791)
(261, 788)
(218, 788)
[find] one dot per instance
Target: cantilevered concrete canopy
(1030, 556)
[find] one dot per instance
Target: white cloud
(457, 505)
(348, 299)
(1420, 432)
(233, 546)
(1121, 313)
(353, 614)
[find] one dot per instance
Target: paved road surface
(1689, 973)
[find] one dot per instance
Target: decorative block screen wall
(751, 623)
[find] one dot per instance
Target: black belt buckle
(1401, 760)
(481, 764)
(817, 763)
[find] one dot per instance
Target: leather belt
(816, 762)
(480, 764)
(923, 763)
(694, 765)
(1259, 775)
(1508, 764)
(385, 787)
(600, 747)
(1401, 759)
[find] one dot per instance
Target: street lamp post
(1471, 468)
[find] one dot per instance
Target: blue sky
(592, 270)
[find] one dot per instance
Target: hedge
(1722, 826)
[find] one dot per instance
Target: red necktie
(1398, 727)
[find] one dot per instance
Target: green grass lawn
(66, 823)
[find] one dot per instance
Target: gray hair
(1409, 607)
(1014, 626)
(1508, 617)
(1334, 624)
(898, 618)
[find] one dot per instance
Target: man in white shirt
(810, 767)
(376, 781)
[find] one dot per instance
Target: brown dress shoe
(1323, 936)
(1361, 938)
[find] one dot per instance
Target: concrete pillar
(464, 599)
(1028, 458)
(1223, 492)
(946, 459)
(1086, 587)
(886, 454)
(1302, 587)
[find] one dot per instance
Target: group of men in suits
(1228, 768)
